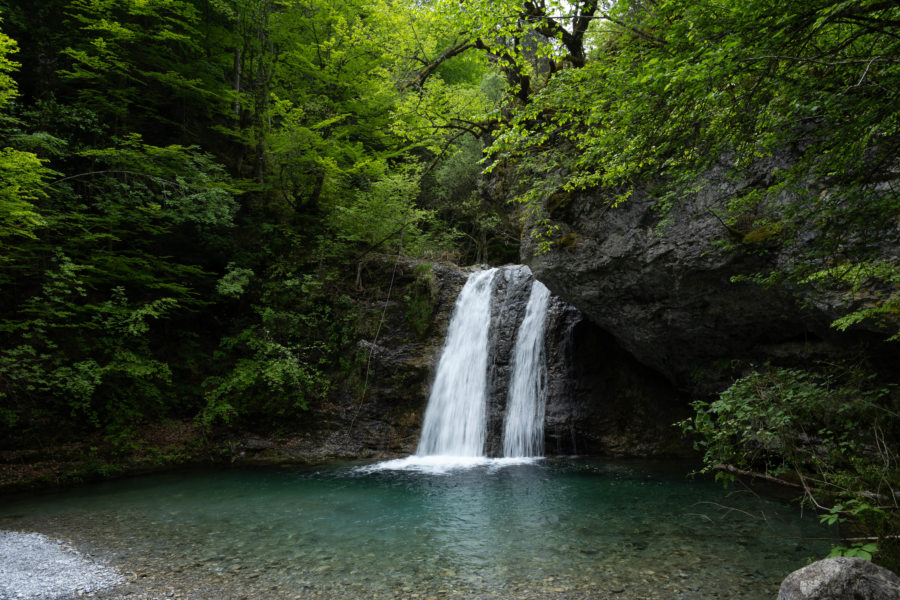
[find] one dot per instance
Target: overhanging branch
(420, 78)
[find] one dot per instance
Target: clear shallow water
(566, 529)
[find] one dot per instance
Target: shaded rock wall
(601, 400)
(400, 338)
(666, 295)
(665, 321)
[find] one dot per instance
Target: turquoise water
(555, 528)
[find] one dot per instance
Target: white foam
(438, 464)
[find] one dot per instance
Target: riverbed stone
(841, 578)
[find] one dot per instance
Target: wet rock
(841, 578)
(664, 293)
(600, 400)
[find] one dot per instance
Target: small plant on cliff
(419, 299)
(833, 432)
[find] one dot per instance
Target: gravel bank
(35, 567)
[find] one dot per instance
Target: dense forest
(187, 189)
(190, 187)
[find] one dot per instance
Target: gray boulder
(841, 578)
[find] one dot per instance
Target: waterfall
(489, 313)
(455, 418)
(523, 433)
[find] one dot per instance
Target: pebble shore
(37, 567)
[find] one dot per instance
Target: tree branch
(116, 172)
(634, 30)
(449, 53)
(550, 27)
(837, 63)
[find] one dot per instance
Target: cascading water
(454, 430)
(523, 434)
(455, 418)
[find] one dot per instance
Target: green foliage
(8, 87)
(22, 180)
(833, 430)
(795, 104)
(235, 281)
(82, 340)
(85, 363)
(280, 363)
(381, 212)
(188, 186)
(272, 380)
(451, 190)
(858, 550)
(419, 298)
(385, 213)
(870, 287)
(22, 173)
(136, 62)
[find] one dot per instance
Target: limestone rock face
(664, 289)
(600, 400)
(841, 578)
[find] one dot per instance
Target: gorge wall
(646, 316)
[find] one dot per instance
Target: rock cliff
(664, 290)
(375, 409)
(599, 399)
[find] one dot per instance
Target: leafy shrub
(834, 431)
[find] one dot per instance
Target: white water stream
(523, 434)
(455, 418)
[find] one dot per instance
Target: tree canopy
(180, 183)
